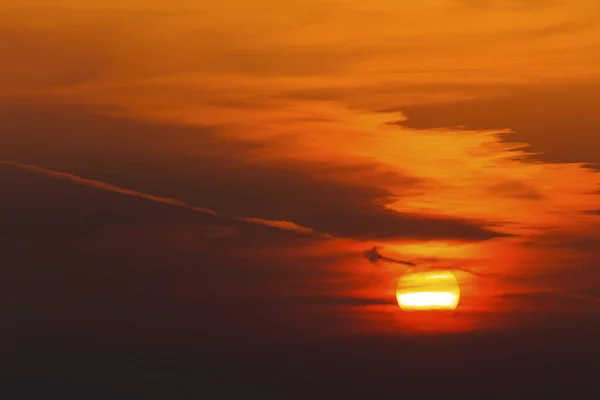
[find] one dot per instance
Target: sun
(431, 290)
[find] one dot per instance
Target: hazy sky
(221, 166)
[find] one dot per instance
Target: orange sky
(459, 129)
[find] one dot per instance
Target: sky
(197, 173)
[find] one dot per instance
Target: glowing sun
(432, 290)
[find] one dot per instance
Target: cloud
(345, 197)
(354, 223)
(584, 241)
(593, 212)
(557, 299)
(52, 226)
(368, 220)
(558, 122)
(374, 256)
(364, 180)
(593, 295)
(436, 264)
(516, 189)
(348, 301)
(292, 48)
(284, 225)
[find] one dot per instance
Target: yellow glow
(434, 290)
(428, 299)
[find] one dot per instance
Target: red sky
(465, 130)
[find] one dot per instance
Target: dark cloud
(137, 292)
(436, 264)
(368, 222)
(77, 180)
(578, 242)
(335, 301)
(82, 263)
(39, 211)
(516, 189)
(593, 212)
(557, 300)
(353, 301)
(195, 166)
(375, 257)
(40, 134)
(586, 294)
(73, 253)
(561, 123)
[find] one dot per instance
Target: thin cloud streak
(375, 257)
(282, 225)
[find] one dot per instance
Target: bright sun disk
(437, 290)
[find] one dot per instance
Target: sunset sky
(214, 170)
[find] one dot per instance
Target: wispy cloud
(434, 264)
(284, 225)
